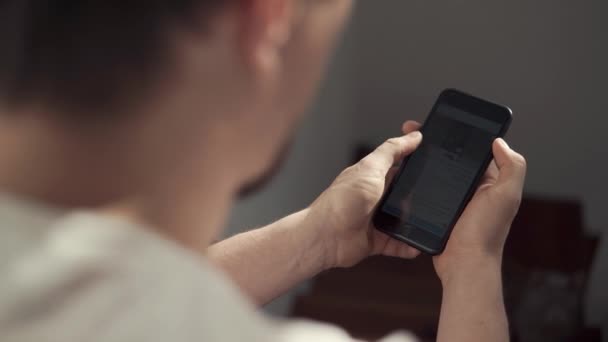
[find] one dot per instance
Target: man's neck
(42, 162)
(51, 165)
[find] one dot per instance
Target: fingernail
(503, 142)
(415, 135)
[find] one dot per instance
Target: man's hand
(343, 212)
(472, 307)
(334, 231)
(482, 229)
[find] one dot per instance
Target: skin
(229, 103)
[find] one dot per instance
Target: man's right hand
(479, 235)
(472, 306)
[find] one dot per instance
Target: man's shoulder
(92, 277)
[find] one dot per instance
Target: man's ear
(265, 28)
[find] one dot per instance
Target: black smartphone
(435, 183)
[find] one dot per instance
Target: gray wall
(544, 58)
(540, 57)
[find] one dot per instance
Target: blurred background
(546, 59)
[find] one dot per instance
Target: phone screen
(430, 190)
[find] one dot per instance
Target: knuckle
(520, 161)
(365, 164)
(509, 193)
(512, 196)
(394, 142)
(370, 193)
(515, 199)
(347, 171)
(351, 171)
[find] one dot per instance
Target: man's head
(162, 93)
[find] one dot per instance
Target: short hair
(87, 54)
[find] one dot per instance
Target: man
(127, 131)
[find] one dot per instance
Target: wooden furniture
(382, 294)
(376, 297)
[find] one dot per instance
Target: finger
(389, 153)
(410, 126)
(511, 165)
(409, 253)
(395, 248)
(403, 253)
(491, 175)
(391, 174)
(493, 169)
(400, 250)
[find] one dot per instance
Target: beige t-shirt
(82, 276)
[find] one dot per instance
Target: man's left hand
(343, 213)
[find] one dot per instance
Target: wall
(539, 57)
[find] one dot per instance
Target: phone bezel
(474, 105)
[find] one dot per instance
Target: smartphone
(434, 184)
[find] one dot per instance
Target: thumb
(392, 151)
(511, 165)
